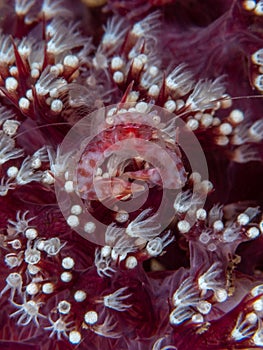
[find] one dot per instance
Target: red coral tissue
(131, 165)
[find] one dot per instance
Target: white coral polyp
(206, 94)
(180, 315)
(28, 311)
(144, 228)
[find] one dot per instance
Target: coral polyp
(131, 175)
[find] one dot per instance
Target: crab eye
(120, 159)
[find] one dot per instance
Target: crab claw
(117, 188)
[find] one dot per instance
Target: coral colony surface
(131, 160)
